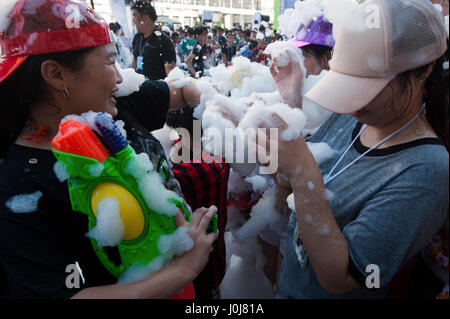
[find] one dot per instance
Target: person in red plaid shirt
(204, 183)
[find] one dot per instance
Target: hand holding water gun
(106, 175)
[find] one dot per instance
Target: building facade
(226, 13)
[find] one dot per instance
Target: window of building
(237, 4)
(247, 4)
(215, 3)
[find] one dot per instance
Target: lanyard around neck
(330, 177)
(141, 49)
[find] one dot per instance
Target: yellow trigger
(130, 211)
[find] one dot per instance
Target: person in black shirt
(37, 91)
(220, 38)
(153, 51)
(195, 60)
(229, 49)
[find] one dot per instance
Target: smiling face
(94, 85)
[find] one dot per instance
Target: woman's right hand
(193, 261)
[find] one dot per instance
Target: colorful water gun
(78, 148)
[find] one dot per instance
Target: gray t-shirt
(388, 205)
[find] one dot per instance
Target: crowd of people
(386, 89)
(195, 49)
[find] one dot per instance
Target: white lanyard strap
(331, 177)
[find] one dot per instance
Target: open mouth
(112, 100)
(112, 97)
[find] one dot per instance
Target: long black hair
(23, 88)
(436, 95)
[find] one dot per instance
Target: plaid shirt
(204, 184)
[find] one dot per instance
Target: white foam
(175, 244)
(121, 126)
(168, 246)
(166, 136)
(96, 169)
(302, 14)
(130, 83)
(291, 201)
(259, 113)
(259, 183)
(263, 213)
(61, 171)
(151, 185)
(177, 78)
(109, 229)
(24, 203)
(328, 195)
(244, 277)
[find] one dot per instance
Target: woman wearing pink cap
(372, 206)
(58, 59)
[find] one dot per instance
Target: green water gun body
(96, 173)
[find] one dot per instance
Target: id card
(140, 63)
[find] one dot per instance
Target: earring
(65, 93)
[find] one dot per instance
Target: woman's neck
(41, 128)
(419, 128)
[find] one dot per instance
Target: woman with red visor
(58, 59)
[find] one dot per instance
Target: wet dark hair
(317, 50)
(182, 118)
(436, 95)
(253, 44)
(145, 7)
(199, 30)
(190, 31)
(24, 87)
(114, 26)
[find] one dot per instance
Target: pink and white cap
(371, 50)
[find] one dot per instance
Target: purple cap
(318, 32)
